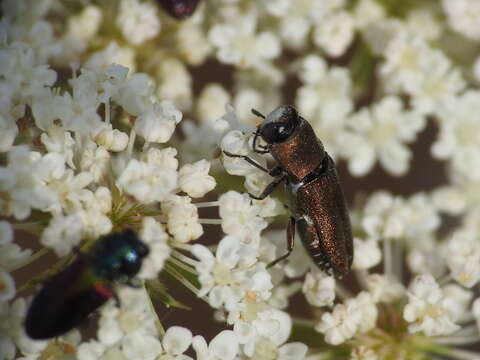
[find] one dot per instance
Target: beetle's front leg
(247, 159)
(269, 189)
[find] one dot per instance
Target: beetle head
(279, 125)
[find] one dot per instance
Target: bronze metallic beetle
(317, 205)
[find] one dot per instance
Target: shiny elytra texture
(328, 237)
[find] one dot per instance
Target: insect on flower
(317, 204)
(179, 9)
(67, 298)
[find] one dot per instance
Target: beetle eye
(275, 132)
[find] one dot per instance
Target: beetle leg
(247, 159)
(269, 189)
(290, 242)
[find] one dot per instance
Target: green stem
(34, 257)
(158, 323)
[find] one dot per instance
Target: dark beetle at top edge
(317, 205)
(67, 298)
(179, 9)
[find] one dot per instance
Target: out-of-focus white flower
(395, 218)
(462, 255)
(427, 309)
(158, 122)
(12, 328)
(112, 54)
(10, 253)
(367, 12)
(194, 179)
(117, 324)
(223, 346)
(367, 253)
(138, 21)
(211, 102)
(154, 235)
(460, 299)
(335, 33)
(464, 17)
(319, 289)
(423, 22)
(63, 233)
(85, 25)
(363, 353)
(21, 182)
(476, 69)
(381, 132)
(175, 83)
(459, 138)
(7, 287)
(384, 289)
(182, 219)
(192, 43)
(238, 43)
(8, 132)
(296, 17)
(324, 99)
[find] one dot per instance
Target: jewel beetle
(179, 9)
(67, 298)
(318, 208)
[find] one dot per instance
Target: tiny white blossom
(175, 83)
(182, 219)
(462, 254)
(464, 17)
(158, 122)
(238, 43)
(63, 233)
(211, 102)
(154, 235)
(86, 24)
(384, 289)
(112, 139)
(319, 289)
(240, 217)
(427, 309)
(147, 182)
(335, 33)
(138, 21)
(175, 342)
(223, 346)
(339, 325)
(194, 179)
(7, 287)
(381, 132)
(367, 253)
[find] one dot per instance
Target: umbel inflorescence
(115, 115)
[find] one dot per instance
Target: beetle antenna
(258, 113)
